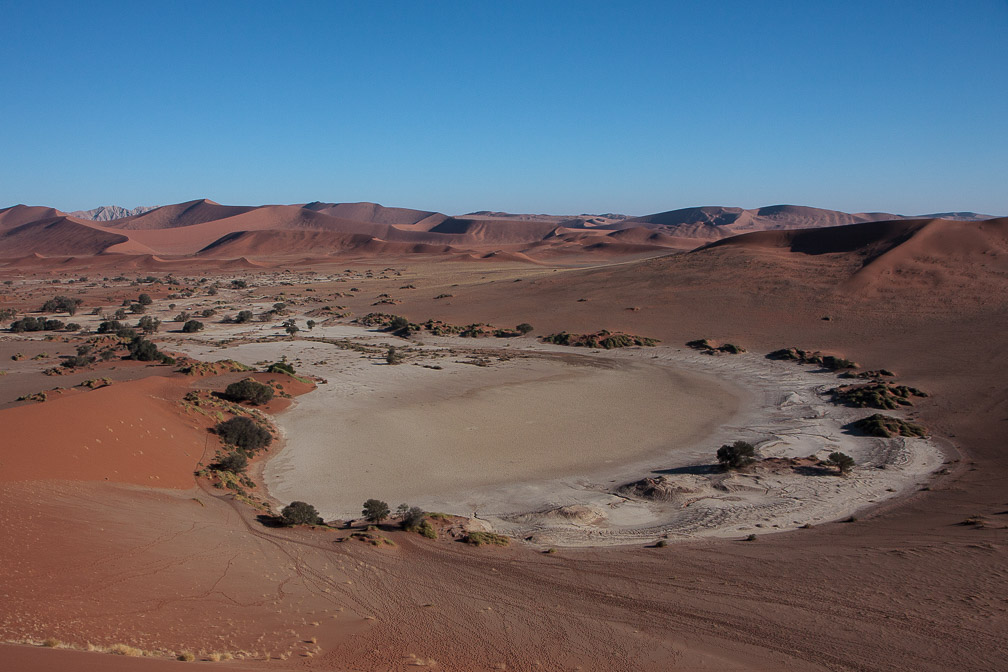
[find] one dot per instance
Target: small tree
(192, 326)
(243, 316)
(144, 300)
(393, 356)
(736, 455)
(524, 328)
(300, 513)
(291, 327)
(148, 324)
(143, 350)
(375, 511)
(842, 461)
(310, 324)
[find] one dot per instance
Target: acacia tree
(375, 511)
(842, 461)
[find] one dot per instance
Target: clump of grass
(975, 520)
(481, 538)
(52, 643)
(427, 530)
(185, 657)
(661, 543)
(876, 395)
(125, 650)
(751, 537)
(887, 426)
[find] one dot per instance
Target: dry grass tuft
(125, 650)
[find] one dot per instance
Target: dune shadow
(266, 520)
(812, 470)
(694, 469)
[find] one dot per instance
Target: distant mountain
(107, 213)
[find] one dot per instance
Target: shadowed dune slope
(379, 214)
(179, 215)
(60, 235)
(17, 215)
(327, 243)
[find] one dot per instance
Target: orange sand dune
(131, 432)
(24, 214)
(421, 220)
(274, 243)
(179, 215)
(60, 235)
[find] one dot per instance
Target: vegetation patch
(736, 455)
(204, 369)
(481, 538)
(705, 346)
(829, 362)
(876, 395)
(601, 339)
(888, 426)
(244, 433)
(249, 390)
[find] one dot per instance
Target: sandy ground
(537, 444)
(908, 586)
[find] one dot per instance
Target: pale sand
(537, 446)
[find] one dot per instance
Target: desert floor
(121, 544)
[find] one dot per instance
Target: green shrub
(280, 367)
(300, 513)
(144, 300)
(480, 538)
(524, 328)
(411, 518)
(235, 462)
(888, 426)
(249, 390)
(736, 455)
(192, 326)
(244, 433)
(148, 324)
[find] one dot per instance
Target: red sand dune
(131, 432)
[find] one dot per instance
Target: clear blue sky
(520, 106)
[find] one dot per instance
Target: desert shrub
(290, 326)
(234, 461)
(887, 426)
(208, 312)
(143, 350)
(243, 316)
(481, 538)
(876, 395)
(72, 326)
(238, 284)
(524, 328)
(145, 300)
(249, 390)
(244, 433)
(300, 513)
(148, 324)
(310, 324)
(182, 317)
(731, 349)
(736, 455)
(137, 308)
(842, 461)
(398, 325)
(375, 511)
(61, 304)
(280, 367)
(192, 326)
(412, 518)
(119, 314)
(394, 356)
(427, 530)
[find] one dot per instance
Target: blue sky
(519, 106)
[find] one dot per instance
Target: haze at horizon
(575, 107)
